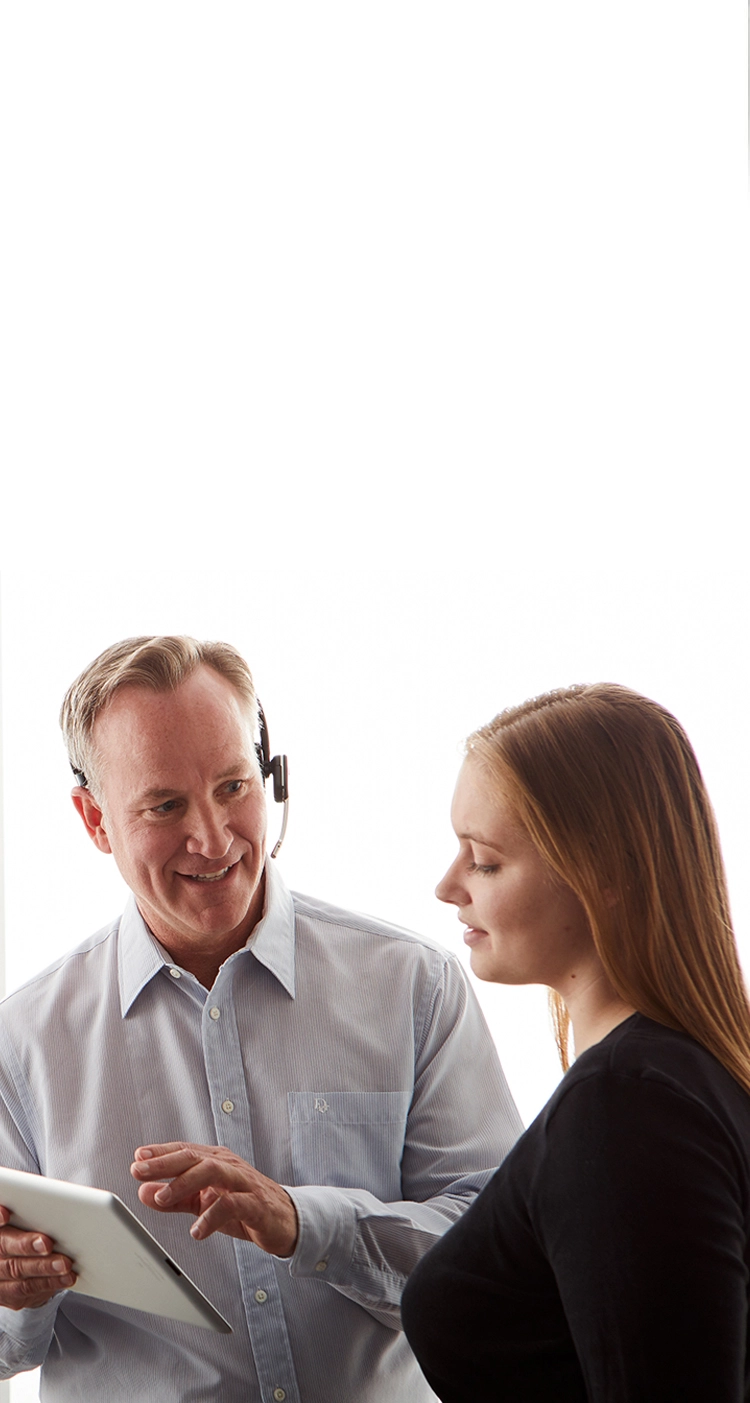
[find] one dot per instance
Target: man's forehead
(164, 732)
(203, 691)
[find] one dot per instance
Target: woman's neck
(595, 1008)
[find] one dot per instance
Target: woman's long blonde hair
(608, 788)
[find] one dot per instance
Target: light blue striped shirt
(345, 1058)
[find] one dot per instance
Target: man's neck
(204, 957)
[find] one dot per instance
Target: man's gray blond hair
(156, 663)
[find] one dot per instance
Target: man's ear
(93, 818)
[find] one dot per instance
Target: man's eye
(235, 786)
(486, 870)
(167, 807)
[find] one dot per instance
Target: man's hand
(224, 1192)
(31, 1271)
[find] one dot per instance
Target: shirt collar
(272, 941)
(140, 956)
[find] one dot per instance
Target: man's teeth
(209, 876)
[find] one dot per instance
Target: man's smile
(208, 876)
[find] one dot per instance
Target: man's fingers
(31, 1271)
(27, 1282)
(147, 1194)
(207, 1173)
(172, 1152)
(224, 1192)
(19, 1242)
(168, 1165)
(226, 1208)
(154, 1151)
(34, 1268)
(191, 1169)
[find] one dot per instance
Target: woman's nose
(446, 887)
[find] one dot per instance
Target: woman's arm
(640, 1207)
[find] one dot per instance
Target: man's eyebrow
(234, 772)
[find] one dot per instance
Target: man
(318, 1086)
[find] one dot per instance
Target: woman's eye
(485, 869)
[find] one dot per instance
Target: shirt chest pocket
(349, 1139)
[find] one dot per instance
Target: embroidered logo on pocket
(349, 1139)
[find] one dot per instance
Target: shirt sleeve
(640, 1208)
(461, 1124)
(25, 1335)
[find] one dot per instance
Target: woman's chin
(484, 962)
(489, 965)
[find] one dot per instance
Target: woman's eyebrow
(483, 842)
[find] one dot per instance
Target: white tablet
(115, 1257)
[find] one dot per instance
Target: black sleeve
(639, 1205)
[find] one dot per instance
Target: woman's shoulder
(645, 1106)
(639, 1046)
(641, 1060)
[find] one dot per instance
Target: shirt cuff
(26, 1327)
(327, 1230)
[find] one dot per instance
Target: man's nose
(208, 831)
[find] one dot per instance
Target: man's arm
(30, 1285)
(461, 1123)
(32, 1275)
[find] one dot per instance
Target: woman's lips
(472, 936)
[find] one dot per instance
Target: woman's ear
(93, 818)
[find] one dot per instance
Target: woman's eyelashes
(486, 869)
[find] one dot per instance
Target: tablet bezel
(115, 1257)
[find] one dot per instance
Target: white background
(402, 346)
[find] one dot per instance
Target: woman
(608, 1258)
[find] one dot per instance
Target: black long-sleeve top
(608, 1260)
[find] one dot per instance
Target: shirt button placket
(269, 1338)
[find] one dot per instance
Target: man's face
(183, 810)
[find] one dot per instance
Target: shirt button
(227, 1106)
(176, 973)
(261, 1296)
(320, 1266)
(279, 1395)
(214, 1013)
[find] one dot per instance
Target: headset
(278, 767)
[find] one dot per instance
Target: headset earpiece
(278, 768)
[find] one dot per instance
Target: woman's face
(523, 924)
